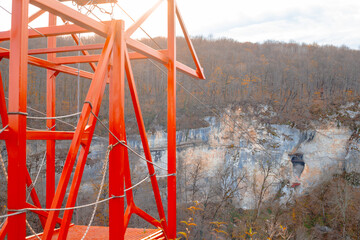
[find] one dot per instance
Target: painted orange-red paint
(110, 67)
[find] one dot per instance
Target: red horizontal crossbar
(147, 51)
(63, 11)
(45, 135)
(48, 31)
(65, 49)
(77, 59)
(53, 66)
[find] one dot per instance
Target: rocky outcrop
(244, 143)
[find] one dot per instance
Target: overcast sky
(334, 22)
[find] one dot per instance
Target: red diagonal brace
(80, 167)
(3, 230)
(144, 140)
(92, 98)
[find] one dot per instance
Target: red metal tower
(114, 61)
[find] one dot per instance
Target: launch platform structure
(110, 67)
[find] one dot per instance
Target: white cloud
(322, 21)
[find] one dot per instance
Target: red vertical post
(16, 145)
(117, 127)
(171, 128)
(50, 123)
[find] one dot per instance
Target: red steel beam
(144, 51)
(55, 67)
(199, 69)
(147, 217)
(16, 145)
(74, 190)
(75, 185)
(144, 140)
(48, 31)
(129, 194)
(141, 20)
(50, 123)
(187, 70)
(65, 49)
(92, 100)
(128, 213)
(77, 59)
(95, 58)
(60, 68)
(36, 15)
(117, 127)
(61, 10)
(5, 52)
(4, 229)
(127, 179)
(49, 135)
(43, 135)
(119, 170)
(133, 55)
(147, 51)
(171, 120)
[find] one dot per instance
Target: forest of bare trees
(299, 81)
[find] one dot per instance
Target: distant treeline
(298, 81)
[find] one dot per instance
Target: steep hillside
(297, 81)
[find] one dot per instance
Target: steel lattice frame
(115, 59)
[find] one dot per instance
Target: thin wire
(23, 210)
(36, 178)
(5, 10)
(66, 123)
(35, 110)
(93, 14)
(32, 230)
(167, 175)
(20, 211)
(38, 129)
(28, 24)
(6, 176)
(4, 128)
(57, 117)
(2, 224)
(104, 169)
(139, 27)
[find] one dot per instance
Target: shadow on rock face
(298, 163)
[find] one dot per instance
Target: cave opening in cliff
(298, 167)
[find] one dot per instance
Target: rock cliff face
(248, 145)
(244, 144)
